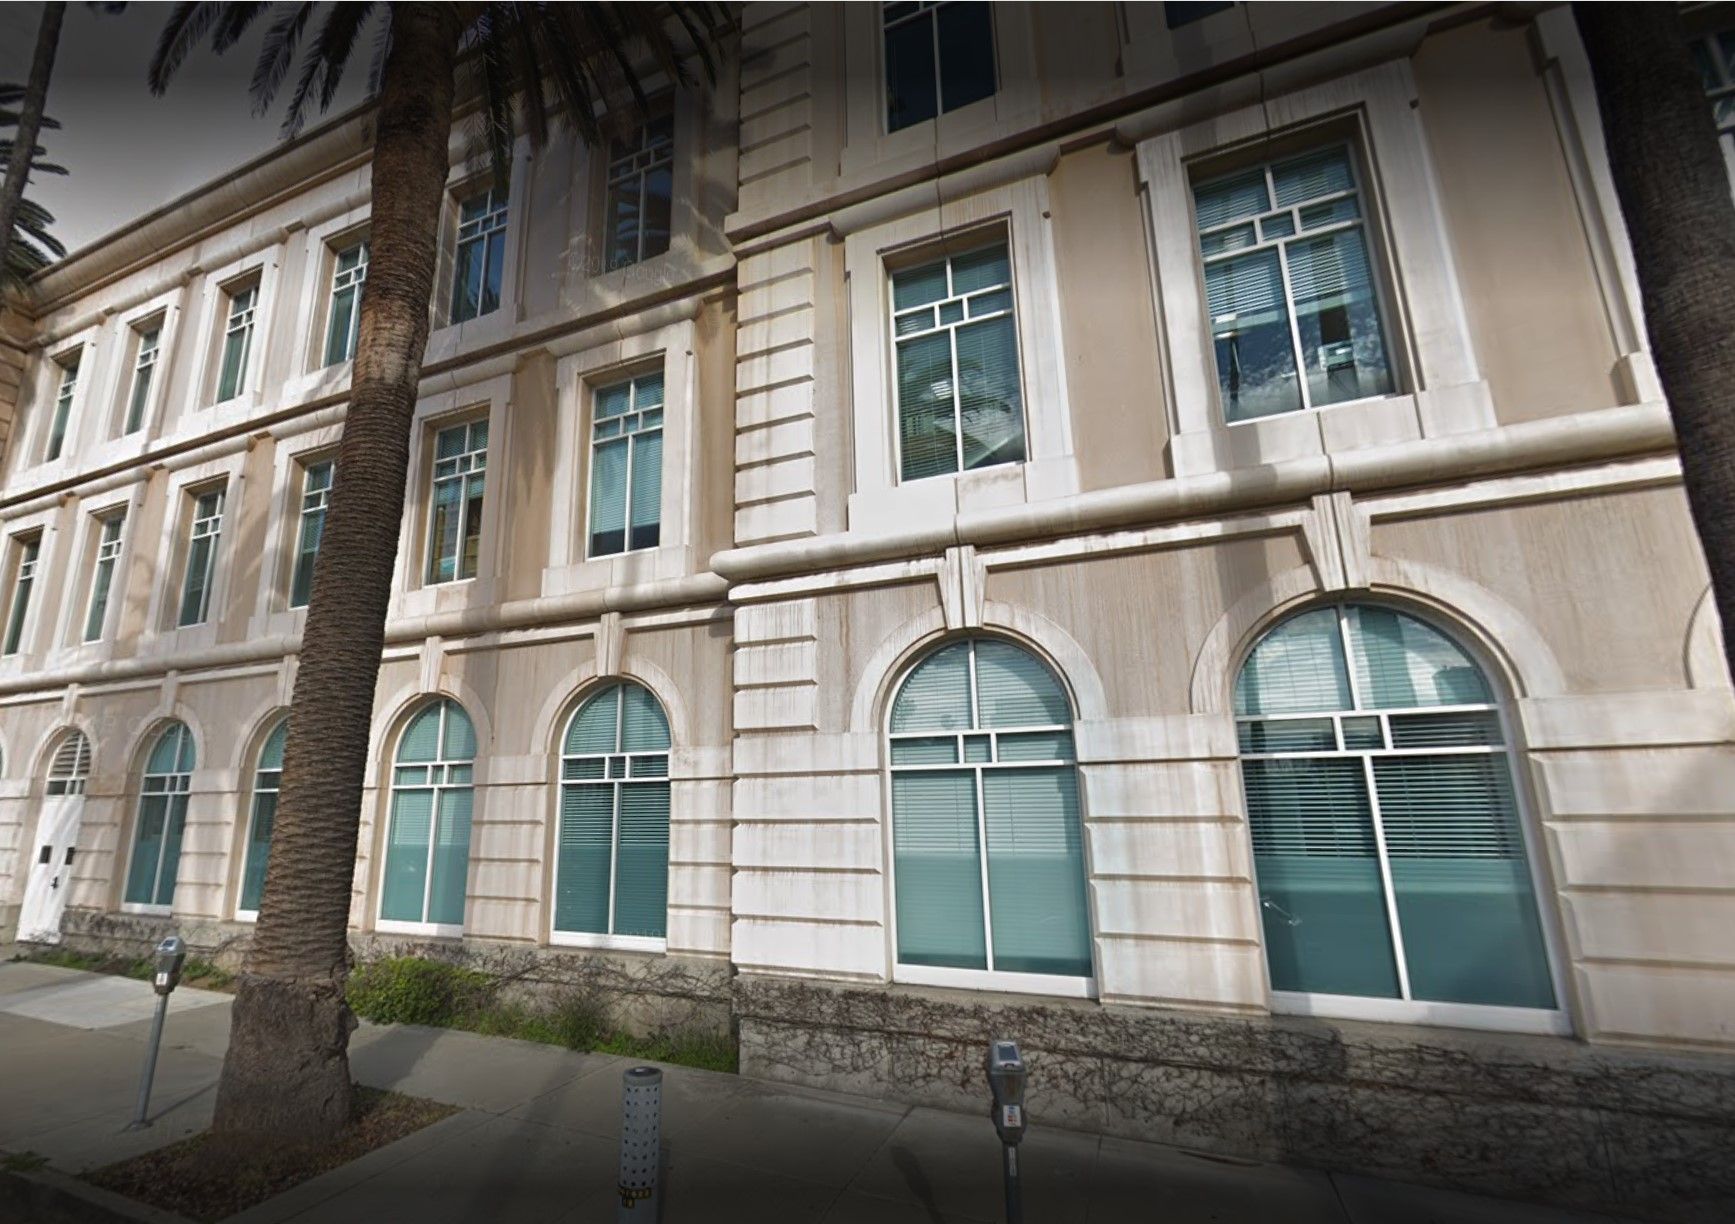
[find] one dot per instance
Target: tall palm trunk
(29, 122)
(287, 1069)
(1674, 191)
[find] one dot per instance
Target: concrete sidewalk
(536, 1138)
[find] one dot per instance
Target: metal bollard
(170, 955)
(641, 1144)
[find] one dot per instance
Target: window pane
(647, 490)
(140, 397)
(467, 281)
(258, 849)
(936, 696)
(586, 830)
(594, 727)
(443, 536)
(608, 498)
(1037, 746)
(990, 404)
(1288, 735)
(147, 849)
(496, 262)
(1320, 892)
(966, 36)
(1231, 199)
(1016, 689)
(234, 357)
(930, 750)
(918, 286)
(926, 414)
(472, 547)
(421, 739)
(643, 728)
(1338, 318)
(939, 876)
(659, 195)
(198, 574)
(1311, 175)
(1297, 668)
(981, 269)
(1036, 871)
(1255, 352)
(403, 885)
(642, 861)
(337, 333)
(1400, 661)
(911, 87)
(1462, 881)
(460, 737)
(451, 857)
(171, 864)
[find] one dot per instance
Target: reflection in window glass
(639, 194)
(460, 477)
(938, 57)
(481, 256)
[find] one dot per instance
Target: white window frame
(592, 939)
(395, 926)
(309, 376)
(636, 172)
(307, 506)
(1054, 985)
(240, 318)
(447, 338)
(1440, 389)
(339, 281)
(203, 413)
(466, 463)
(163, 613)
(1555, 1022)
(570, 567)
(41, 620)
(71, 375)
(1019, 211)
(67, 646)
(164, 313)
(201, 526)
(124, 864)
(16, 543)
(115, 550)
(630, 380)
(145, 363)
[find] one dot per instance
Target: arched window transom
(981, 757)
(267, 778)
(428, 842)
(611, 878)
(1387, 839)
(70, 766)
(162, 818)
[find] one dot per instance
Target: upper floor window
(1295, 312)
(428, 836)
(626, 466)
(481, 254)
(161, 820)
(639, 193)
(315, 497)
(62, 407)
(348, 276)
(987, 837)
(203, 533)
(147, 338)
(108, 545)
(939, 56)
(959, 399)
(243, 301)
(1387, 840)
(25, 552)
(455, 525)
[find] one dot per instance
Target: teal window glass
(428, 836)
(460, 480)
(108, 546)
(62, 418)
(144, 372)
(237, 342)
(960, 403)
(1387, 839)
(26, 551)
(938, 57)
(612, 856)
(1295, 313)
(481, 254)
(343, 324)
(203, 535)
(162, 818)
(316, 483)
(987, 834)
(639, 193)
(267, 779)
(626, 466)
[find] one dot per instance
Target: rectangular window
(1289, 283)
(636, 205)
(959, 399)
(481, 254)
(206, 530)
(626, 466)
(939, 56)
(455, 531)
(102, 575)
(62, 409)
(237, 342)
(1715, 55)
(315, 496)
(144, 369)
(27, 551)
(348, 277)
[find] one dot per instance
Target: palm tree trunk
(287, 1070)
(29, 122)
(1675, 193)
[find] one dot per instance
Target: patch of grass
(202, 1182)
(22, 1162)
(411, 990)
(206, 975)
(196, 971)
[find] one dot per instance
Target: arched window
(1387, 841)
(611, 868)
(981, 756)
(70, 765)
(162, 818)
(428, 843)
(266, 779)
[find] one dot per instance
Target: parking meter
(170, 955)
(1006, 1079)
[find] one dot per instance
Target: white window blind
(428, 840)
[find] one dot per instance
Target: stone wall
(1639, 1132)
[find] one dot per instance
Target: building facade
(1151, 529)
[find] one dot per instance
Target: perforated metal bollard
(641, 1143)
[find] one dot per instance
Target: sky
(128, 152)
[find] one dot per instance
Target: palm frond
(234, 22)
(323, 62)
(277, 55)
(187, 25)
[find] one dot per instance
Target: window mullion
(1391, 895)
(982, 861)
(1294, 325)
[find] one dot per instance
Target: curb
(47, 1197)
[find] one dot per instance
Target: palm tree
(286, 1073)
(22, 155)
(1674, 191)
(31, 246)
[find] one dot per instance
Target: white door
(50, 868)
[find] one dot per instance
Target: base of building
(1645, 1133)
